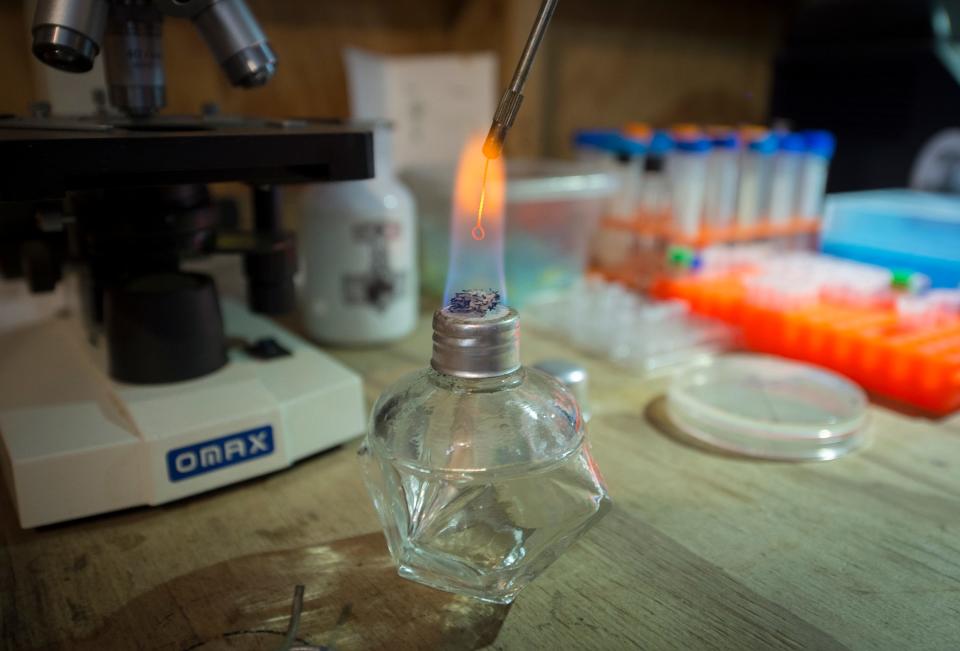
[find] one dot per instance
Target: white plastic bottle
(358, 244)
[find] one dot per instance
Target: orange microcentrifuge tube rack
(919, 366)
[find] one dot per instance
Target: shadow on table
(353, 600)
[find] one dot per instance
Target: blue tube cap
(631, 146)
(595, 138)
(763, 144)
(694, 145)
(726, 141)
(661, 142)
(793, 142)
(609, 140)
(821, 143)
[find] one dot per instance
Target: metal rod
(295, 611)
(512, 97)
(533, 42)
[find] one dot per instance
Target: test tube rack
(658, 227)
(648, 244)
(884, 340)
(695, 187)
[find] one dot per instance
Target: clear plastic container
(552, 212)
(769, 407)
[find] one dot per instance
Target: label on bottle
(378, 286)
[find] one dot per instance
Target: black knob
(164, 327)
(41, 265)
(270, 271)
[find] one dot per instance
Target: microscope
(151, 387)
(69, 34)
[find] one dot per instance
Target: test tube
(609, 247)
(931, 310)
(755, 171)
(623, 157)
(595, 146)
(687, 168)
(720, 195)
(820, 146)
(630, 152)
(655, 191)
(642, 133)
(786, 177)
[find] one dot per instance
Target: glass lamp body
(480, 484)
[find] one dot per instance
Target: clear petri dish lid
(769, 407)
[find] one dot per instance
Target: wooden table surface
(701, 550)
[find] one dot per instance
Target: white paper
(434, 101)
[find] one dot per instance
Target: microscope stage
(46, 163)
(76, 443)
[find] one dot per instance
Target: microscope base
(76, 443)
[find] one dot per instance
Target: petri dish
(769, 407)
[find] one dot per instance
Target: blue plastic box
(898, 229)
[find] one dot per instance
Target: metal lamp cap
(474, 346)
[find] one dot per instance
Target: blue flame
(476, 264)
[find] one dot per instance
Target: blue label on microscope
(207, 456)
